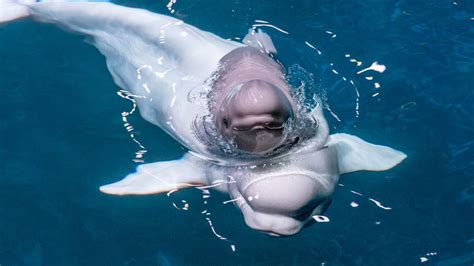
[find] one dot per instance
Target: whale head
(255, 115)
(281, 199)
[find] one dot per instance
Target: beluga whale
(228, 103)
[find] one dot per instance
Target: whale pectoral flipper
(160, 177)
(354, 154)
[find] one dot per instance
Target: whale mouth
(275, 125)
(254, 115)
(258, 134)
(258, 139)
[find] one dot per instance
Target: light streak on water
(375, 67)
(358, 63)
(173, 101)
(131, 97)
(357, 98)
(146, 88)
(354, 204)
(313, 47)
(379, 204)
(270, 26)
(426, 257)
(217, 183)
(170, 6)
(321, 218)
(174, 204)
(171, 192)
(333, 114)
(408, 106)
(357, 193)
(232, 200)
(333, 35)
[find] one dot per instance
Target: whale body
(277, 173)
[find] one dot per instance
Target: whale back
(156, 59)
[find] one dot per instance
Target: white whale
(172, 68)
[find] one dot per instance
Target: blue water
(62, 136)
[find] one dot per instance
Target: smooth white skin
(158, 58)
(161, 61)
(249, 92)
(280, 195)
(281, 199)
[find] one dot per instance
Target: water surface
(62, 136)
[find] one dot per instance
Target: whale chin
(282, 204)
(293, 195)
(273, 225)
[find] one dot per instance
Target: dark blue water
(62, 136)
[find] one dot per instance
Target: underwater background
(62, 136)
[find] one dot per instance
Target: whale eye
(226, 122)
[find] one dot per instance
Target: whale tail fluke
(11, 10)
